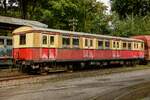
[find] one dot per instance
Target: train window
(107, 44)
(117, 44)
(86, 42)
(114, 44)
(129, 46)
(51, 40)
(1, 41)
(66, 41)
(124, 45)
(134, 45)
(100, 44)
(91, 43)
(22, 39)
(75, 42)
(44, 39)
(142, 45)
(9, 42)
(137, 45)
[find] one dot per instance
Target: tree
(131, 7)
(130, 26)
(90, 14)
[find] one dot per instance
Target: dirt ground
(101, 87)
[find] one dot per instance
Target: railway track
(14, 77)
(58, 76)
(15, 80)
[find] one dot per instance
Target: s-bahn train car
(146, 39)
(5, 51)
(41, 48)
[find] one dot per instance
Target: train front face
(31, 49)
(5, 51)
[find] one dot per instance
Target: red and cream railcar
(146, 39)
(42, 47)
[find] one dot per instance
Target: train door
(116, 51)
(52, 46)
(44, 50)
(88, 51)
(85, 48)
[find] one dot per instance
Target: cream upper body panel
(42, 37)
(28, 41)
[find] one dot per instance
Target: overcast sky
(107, 3)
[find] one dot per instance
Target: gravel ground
(9, 72)
(77, 88)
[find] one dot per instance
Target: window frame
(9, 41)
(75, 45)
(142, 46)
(46, 42)
(22, 41)
(50, 42)
(114, 44)
(91, 41)
(117, 44)
(66, 45)
(130, 45)
(102, 43)
(124, 47)
(107, 47)
(135, 45)
(86, 44)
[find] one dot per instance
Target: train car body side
(39, 47)
(146, 39)
(6, 58)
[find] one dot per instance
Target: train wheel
(44, 70)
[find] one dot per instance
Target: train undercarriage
(51, 66)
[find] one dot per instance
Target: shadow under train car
(6, 59)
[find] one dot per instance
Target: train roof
(5, 37)
(27, 29)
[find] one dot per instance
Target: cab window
(51, 40)
(75, 42)
(66, 41)
(44, 39)
(9, 42)
(22, 39)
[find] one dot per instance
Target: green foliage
(131, 7)
(131, 26)
(90, 14)
(131, 17)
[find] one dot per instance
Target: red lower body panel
(40, 54)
